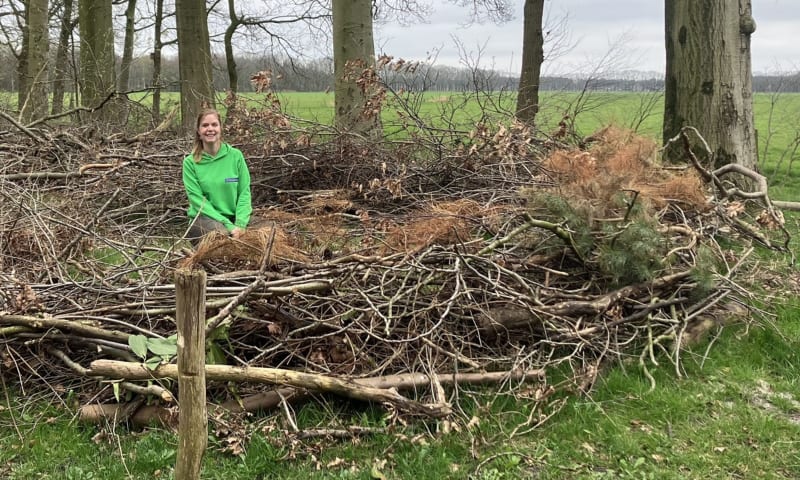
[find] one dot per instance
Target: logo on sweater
(232, 180)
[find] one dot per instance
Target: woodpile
(392, 280)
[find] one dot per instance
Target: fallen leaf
(335, 462)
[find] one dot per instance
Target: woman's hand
(237, 232)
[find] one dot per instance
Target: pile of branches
(380, 273)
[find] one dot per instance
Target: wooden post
(190, 299)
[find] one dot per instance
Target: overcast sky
(634, 28)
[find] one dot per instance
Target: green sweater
(219, 187)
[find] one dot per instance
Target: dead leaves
(771, 220)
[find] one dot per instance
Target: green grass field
(777, 118)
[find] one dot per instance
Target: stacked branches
(367, 270)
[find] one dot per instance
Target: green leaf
(153, 362)
(163, 347)
(214, 354)
(219, 333)
(138, 344)
(377, 474)
(115, 386)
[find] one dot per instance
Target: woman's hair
(197, 150)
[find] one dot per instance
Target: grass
(776, 119)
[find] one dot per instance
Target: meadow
(777, 118)
(732, 411)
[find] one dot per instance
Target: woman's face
(209, 129)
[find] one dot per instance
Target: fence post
(190, 300)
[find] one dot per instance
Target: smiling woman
(217, 182)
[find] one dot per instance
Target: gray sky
(634, 28)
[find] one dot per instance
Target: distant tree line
(317, 76)
(707, 82)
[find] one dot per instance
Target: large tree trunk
(156, 56)
(194, 60)
(532, 58)
(33, 69)
(98, 79)
(353, 55)
(61, 66)
(709, 77)
(127, 48)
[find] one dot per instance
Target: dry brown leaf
(734, 209)
(770, 221)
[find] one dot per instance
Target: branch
(309, 381)
(21, 128)
(81, 327)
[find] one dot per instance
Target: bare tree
(230, 60)
(498, 11)
(709, 77)
(280, 29)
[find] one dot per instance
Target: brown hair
(197, 150)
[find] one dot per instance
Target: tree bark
(61, 66)
(98, 79)
(532, 58)
(156, 56)
(354, 54)
(230, 60)
(709, 77)
(33, 69)
(127, 48)
(194, 60)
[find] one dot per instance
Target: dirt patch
(776, 403)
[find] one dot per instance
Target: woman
(217, 182)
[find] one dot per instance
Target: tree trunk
(98, 79)
(532, 58)
(33, 78)
(230, 60)
(709, 78)
(194, 60)
(61, 66)
(127, 49)
(157, 61)
(353, 56)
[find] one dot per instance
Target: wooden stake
(190, 299)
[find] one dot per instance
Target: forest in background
(317, 75)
